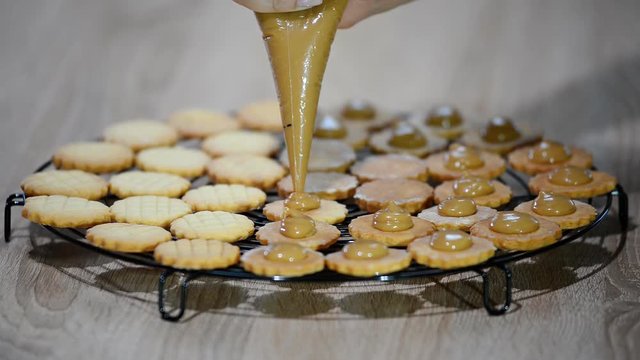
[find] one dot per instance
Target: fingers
(278, 5)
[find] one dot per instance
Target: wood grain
(70, 67)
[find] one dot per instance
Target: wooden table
(70, 67)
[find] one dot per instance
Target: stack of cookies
(427, 188)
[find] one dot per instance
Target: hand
(357, 10)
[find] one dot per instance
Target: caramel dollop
(451, 240)
(406, 136)
(285, 252)
(463, 158)
(514, 222)
(296, 225)
(445, 117)
(329, 127)
(365, 250)
(302, 201)
(472, 187)
(358, 110)
(500, 130)
(549, 152)
(457, 207)
(392, 218)
(549, 204)
(570, 176)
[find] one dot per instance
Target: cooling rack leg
(623, 207)
(182, 297)
(486, 291)
(16, 199)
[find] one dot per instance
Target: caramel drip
(472, 187)
(514, 222)
(500, 130)
(457, 207)
(463, 158)
(445, 117)
(548, 204)
(330, 128)
(392, 218)
(302, 201)
(365, 250)
(298, 44)
(285, 252)
(296, 225)
(406, 136)
(549, 152)
(358, 110)
(451, 240)
(570, 176)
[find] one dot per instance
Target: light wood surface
(70, 67)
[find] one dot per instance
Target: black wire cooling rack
(500, 261)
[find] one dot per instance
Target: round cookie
(213, 225)
(362, 228)
(383, 141)
(231, 198)
(262, 115)
(138, 183)
(325, 236)
(500, 195)
(367, 258)
(94, 157)
(327, 185)
(330, 212)
(587, 183)
(282, 259)
(548, 155)
(390, 166)
(567, 213)
(241, 142)
(451, 218)
(426, 251)
(179, 161)
(412, 195)
(351, 132)
(141, 134)
(501, 135)
(123, 237)
(63, 211)
(149, 210)
(538, 232)
(444, 121)
(200, 123)
(460, 160)
(364, 113)
(197, 254)
(326, 155)
(72, 183)
(250, 170)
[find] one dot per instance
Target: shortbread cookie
(573, 182)
(548, 155)
(451, 249)
(127, 237)
(330, 212)
(213, 225)
(263, 115)
(363, 112)
(137, 183)
(180, 161)
(444, 121)
(368, 258)
(456, 214)
(513, 230)
(94, 157)
(404, 138)
(141, 134)
(362, 228)
(282, 259)
(327, 185)
(231, 198)
(500, 135)
(149, 210)
(200, 123)
(461, 160)
(197, 254)
(567, 213)
(484, 192)
(241, 142)
(390, 166)
(351, 132)
(324, 236)
(326, 155)
(250, 170)
(74, 183)
(64, 211)
(412, 195)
